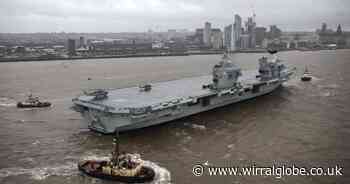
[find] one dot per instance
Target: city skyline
(19, 16)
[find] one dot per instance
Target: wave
(196, 126)
(40, 173)
(70, 169)
(7, 102)
(329, 86)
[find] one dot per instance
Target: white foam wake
(7, 102)
(70, 168)
(40, 173)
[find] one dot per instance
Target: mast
(115, 153)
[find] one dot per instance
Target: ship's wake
(7, 102)
(70, 169)
(40, 173)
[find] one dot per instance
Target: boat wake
(7, 102)
(195, 126)
(329, 86)
(328, 90)
(40, 173)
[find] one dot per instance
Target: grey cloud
(140, 15)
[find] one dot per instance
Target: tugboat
(121, 167)
(33, 102)
(306, 76)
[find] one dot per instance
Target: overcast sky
(160, 15)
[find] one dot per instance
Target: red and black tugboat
(121, 167)
(33, 102)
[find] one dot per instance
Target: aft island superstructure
(152, 104)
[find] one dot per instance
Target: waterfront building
(245, 41)
(195, 41)
(171, 34)
(81, 42)
(228, 36)
(120, 46)
(207, 34)
(58, 48)
(260, 35)
(216, 38)
(71, 47)
(265, 43)
(250, 30)
(236, 33)
(274, 32)
(324, 27)
(20, 49)
(2, 50)
(232, 34)
(327, 36)
(198, 37)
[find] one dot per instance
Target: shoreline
(7, 60)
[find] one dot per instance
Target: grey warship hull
(130, 108)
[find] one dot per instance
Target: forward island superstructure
(152, 104)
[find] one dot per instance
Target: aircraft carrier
(107, 111)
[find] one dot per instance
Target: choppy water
(305, 123)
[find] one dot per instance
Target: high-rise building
(245, 41)
(233, 34)
(228, 36)
(207, 34)
(71, 47)
(216, 38)
(199, 36)
(236, 33)
(250, 30)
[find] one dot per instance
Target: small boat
(121, 167)
(145, 87)
(271, 51)
(306, 76)
(33, 102)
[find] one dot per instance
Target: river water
(301, 123)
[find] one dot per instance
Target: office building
(228, 36)
(71, 47)
(250, 30)
(245, 41)
(207, 34)
(216, 39)
(260, 35)
(236, 33)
